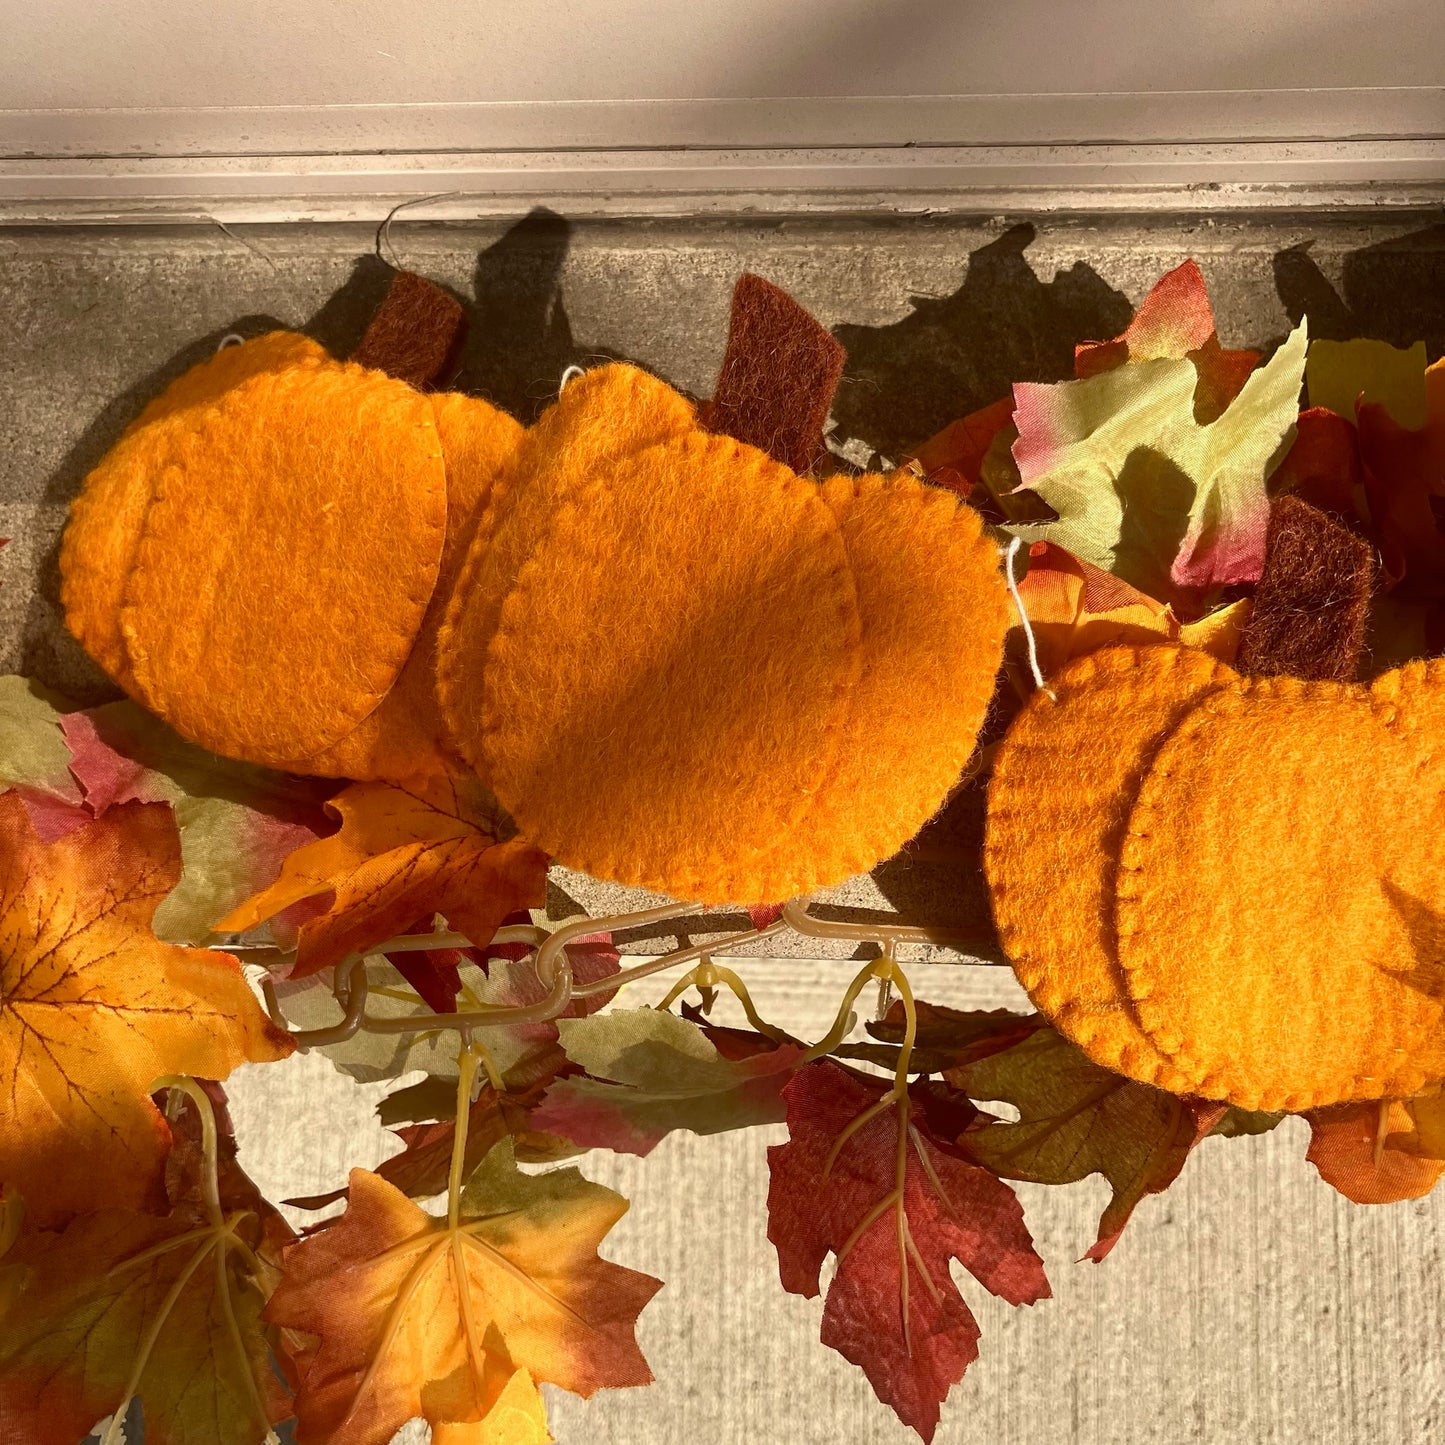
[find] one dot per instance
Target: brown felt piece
(611, 412)
(98, 550)
(779, 373)
(1059, 802)
(310, 493)
(404, 739)
(416, 333)
(1313, 598)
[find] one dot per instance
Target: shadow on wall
(1393, 291)
(905, 382)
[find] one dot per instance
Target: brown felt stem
(1312, 600)
(779, 373)
(416, 333)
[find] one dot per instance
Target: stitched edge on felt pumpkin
(474, 609)
(1029, 767)
(405, 738)
(719, 876)
(345, 394)
(878, 832)
(106, 521)
(1156, 803)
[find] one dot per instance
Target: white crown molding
(447, 186)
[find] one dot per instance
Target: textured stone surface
(1250, 1304)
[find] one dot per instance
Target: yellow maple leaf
(93, 1009)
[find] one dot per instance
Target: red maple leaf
(862, 1177)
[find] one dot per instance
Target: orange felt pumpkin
(1229, 886)
(774, 680)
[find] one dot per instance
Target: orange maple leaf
(1075, 608)
(1379, 1151)
(93, 1009)
(401, 856)
(435, 1317)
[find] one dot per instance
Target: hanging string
(1013, 549)
(573, 373)
(383, 231)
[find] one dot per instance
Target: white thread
(573, 373)
(1013, 548)
(231, 338)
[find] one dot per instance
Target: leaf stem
(708, 974)
(210, 1148)
(467, 1061)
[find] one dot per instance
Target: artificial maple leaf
(1405, 480)
(1142, 490)
(93, 1008)
(1077, 1119)
(1339, 375)
(422, 1168)
(237, 822)
(401, 856)
(166, 1309)
(954, 458)
(418, 1316)
(34, 759)
(944, 1038)
(650, 1072)
(1175, 322)
(862, 1177)
(1380, 1151)
(1073, 608)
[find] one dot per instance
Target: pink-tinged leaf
(51, 817)
(1176, 323)
(650, 1072)
(1174, 319)
(892, 1307)
(237, 823)
(1141, 490)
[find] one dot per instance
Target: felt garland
(1214, 786)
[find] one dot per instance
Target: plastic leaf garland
(96, 1008)
(137, 1261)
